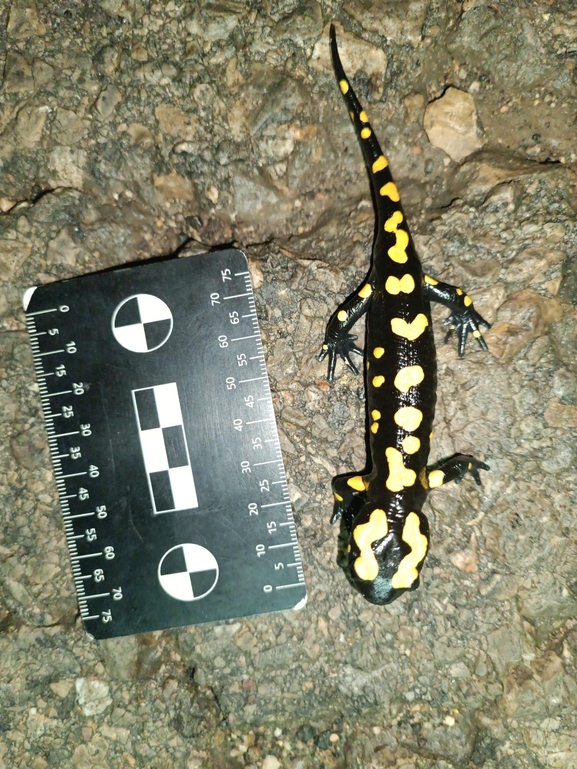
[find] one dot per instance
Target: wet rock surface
(129, 128)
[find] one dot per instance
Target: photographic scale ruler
(164, 445)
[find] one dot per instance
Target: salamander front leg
(464, 319)
(454, 468)
(338, 342)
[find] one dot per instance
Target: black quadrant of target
(162, 491)
(155, 332)
(146, 409)
(174, 562)
(128, 314)
(202, 581)
(175, 446)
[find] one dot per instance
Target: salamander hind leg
(349, 495)
(454, 468)
(464, 319)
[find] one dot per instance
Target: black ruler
(164, 445)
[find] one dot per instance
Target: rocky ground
(129, 128)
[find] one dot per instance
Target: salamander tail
(385, 190)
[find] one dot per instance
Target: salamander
(385, 532)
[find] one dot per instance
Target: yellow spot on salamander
(325, 347)
(408, 377)
(407, 572)
(431, 281)
(467, 301)
(365, 133)
(352, 115)
(476, 333)
(356, 483)
(344, 86)
(393, 221)
(380, 163)
(395, 285)
(378, 352)
(378, 381)
(411, 444)
(366, 291)
(408, 417)
(375, 428)
(376, 414)
(400, 477)
(398, 251)
(363, 117)
(342, 316)
(390, 190)
(423, 478)
(365, 534)
(338, 497)
(436, 478)
(412, 330)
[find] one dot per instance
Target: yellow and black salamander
(386, 534)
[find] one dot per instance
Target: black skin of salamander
(353, 507)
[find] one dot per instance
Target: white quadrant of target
(164, 411)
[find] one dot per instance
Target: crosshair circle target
(142, 323)
(188, 572)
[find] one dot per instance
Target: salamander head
(383, 562)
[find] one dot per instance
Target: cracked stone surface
(129, 128)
